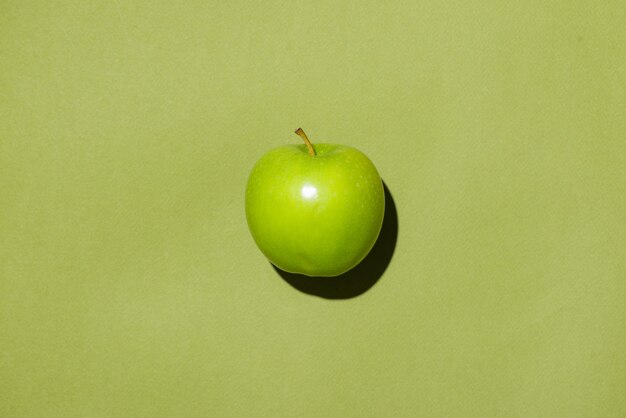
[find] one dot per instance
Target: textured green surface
(130, 286)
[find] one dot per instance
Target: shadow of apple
(362, 277)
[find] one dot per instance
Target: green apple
(315, 210)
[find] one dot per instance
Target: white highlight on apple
(309, 192)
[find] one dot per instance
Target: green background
(129, 283)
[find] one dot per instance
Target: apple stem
(302, 135)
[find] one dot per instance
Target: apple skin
(315, 215)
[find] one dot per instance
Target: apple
(315, 210)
